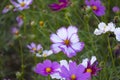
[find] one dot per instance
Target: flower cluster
(68, 71)
(111, 27)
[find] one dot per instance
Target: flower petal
(78, 46)
(55, 47)
(62, 33)
(55, 39)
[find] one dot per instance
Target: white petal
(97, 32)
(55, 39)
(56, 76)
(20, 1)
(102, 26)
(93, 59)
(62, 33)
(74, 38)
(85, 62)
(55, 47)
(78, 46)
(111, 26)
(64, 63)
(38, 55)
(71, 30)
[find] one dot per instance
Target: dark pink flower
(59, 6)
(47, 68)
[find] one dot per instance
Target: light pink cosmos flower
(19, 20)
(21, 4)
(66, 40)
(34, 48)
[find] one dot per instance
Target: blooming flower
(45, 53)
(21, 4)
(74, 72)
(57, 75)
(117, 33)
(34, 48)
(96, 6)
(67, 41)
(103, 28)
(115, 9)
(7, 8)
(59, 6)
(91, 65)
(19, 20)
(15, 31)
(47, 68)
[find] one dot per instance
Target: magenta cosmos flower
(59, 6)
(66, 40)
(47, 68)
(34, 48)
(74, 72)
(91, 66)
(21, 4)
(96, 6)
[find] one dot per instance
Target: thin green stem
(110, 51)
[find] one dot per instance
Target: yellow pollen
(41, 23)
(94, 8)
(48, 70)
(73, 77)
(34, 49)
(22, 4)
(67, 42)
(44, 55)
(89, 70)
(8, 6)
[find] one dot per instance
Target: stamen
(67, 42)
(48, 70)
(89, 70)
(22, 4)
(73, 77)
(94, 8)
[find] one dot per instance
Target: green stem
(110, 51)
(22, 60)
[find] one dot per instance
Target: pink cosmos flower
(66, 40)
(96, 6)
(91, 66)
(21, 4)
(59, 6)
(47, 68)
(34, 48)
(74, 72)
(19, 20)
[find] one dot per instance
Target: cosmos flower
(66, 40)
(74, 72)
(34, 48)
(19, 20)
(115, 9)
(91, 65)
(96, 6)
(15, 31)
(57, 75)
(7, 8)
(46, 68)
(117, 33)
(21, 4)
(45, 53)
(59, 6)
(103, 28)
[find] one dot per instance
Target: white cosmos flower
(45, 53)
(117, 33)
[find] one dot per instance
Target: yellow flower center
(89, 70)
(44, 55)
(67, 42)
(17, 32)
(41, 23)
(34, 49)
(73, 77)
(48, 70)
(94, 8)
(22, 4)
